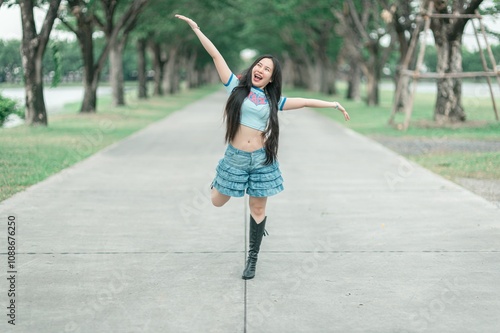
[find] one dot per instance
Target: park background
(133, 64)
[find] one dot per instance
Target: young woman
(251, 114)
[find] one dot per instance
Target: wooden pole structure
(485, 67)
(470, 16)
(420, 59)
(490, 54)
(415, 74)
(404, 67)
(449, 75)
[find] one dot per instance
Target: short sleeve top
(255, 108)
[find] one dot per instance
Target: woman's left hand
(341, 108)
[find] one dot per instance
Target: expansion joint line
(245, 225)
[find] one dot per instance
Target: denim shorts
(241, 171)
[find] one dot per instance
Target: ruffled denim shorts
(241, 171)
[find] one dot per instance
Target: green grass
(373, 121)
(28, 155)
(462, 165)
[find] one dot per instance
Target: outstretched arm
(220, 63)
(298, 103)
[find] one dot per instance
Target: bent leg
(258, 208)
(219, 199)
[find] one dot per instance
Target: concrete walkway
(361, 240)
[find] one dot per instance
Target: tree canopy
(318, 43)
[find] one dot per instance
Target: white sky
(10, 26)
(10, 23)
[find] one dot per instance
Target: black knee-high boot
(254, 239)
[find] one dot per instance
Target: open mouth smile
(257, 77)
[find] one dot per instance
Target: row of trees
(114, 18)
(62, 62)
(317, 41)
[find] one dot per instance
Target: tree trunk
(404, 95)
(158, 64)
(448, 39)
(288, 70)
(449, 107)
(371, 89)
(404, 26)
(116, 71)
(301, 74)
(332, 87)
(170, 73)
(402, 82)
(328, 82)
(209, 75)
(117, 32)
(86, 21)
(90, 72)
(372, 73)
(325, 76)
(306, 71)
(191, 75)
(89, 103)
(141, 69)
(33, 47)
(323, 62)
(356, 26)
(314, 69)
(354, 82)
(36, 113)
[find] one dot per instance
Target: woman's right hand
(191, 23)
(220, 64)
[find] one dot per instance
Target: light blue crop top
(255, 108)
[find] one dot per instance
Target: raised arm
(298, 103)
(220, 63)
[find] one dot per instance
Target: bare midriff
(248, 139)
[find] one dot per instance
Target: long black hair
(232, 111)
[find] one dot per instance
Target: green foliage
(471, 60)
(430, 58)
(237, 25)
(63, 59)
(221, 21)
(492, 8)
(7, 107)
(291, 26)
(56, 55)
(10, 61)
(285, 28)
